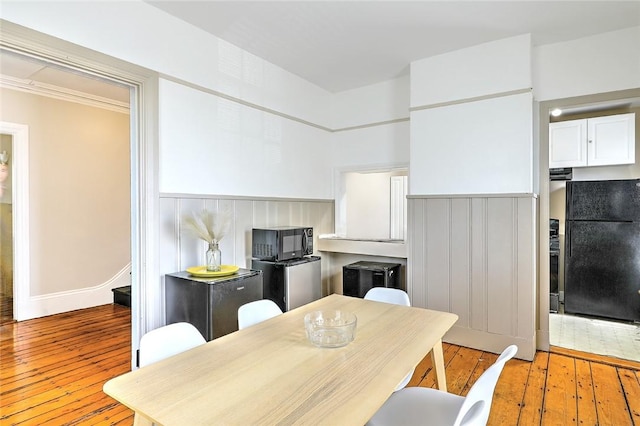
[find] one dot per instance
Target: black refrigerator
(602, 249)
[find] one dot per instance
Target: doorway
(74, 118)
(569, 329)
(6, 230)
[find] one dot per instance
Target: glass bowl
(330, 328)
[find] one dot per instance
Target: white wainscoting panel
(475, 256)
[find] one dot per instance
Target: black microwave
(281, 243)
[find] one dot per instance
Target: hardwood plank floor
(53, 368)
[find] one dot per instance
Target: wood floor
(53, 369)
(6, 309)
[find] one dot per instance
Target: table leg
(139, 420)
(437, 358)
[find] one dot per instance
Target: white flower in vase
(210, 227)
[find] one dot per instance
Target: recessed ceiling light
(556, 112)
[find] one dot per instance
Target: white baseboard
(65, 301)
(542, 340)
(490, 342)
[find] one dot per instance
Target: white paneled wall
(180, 250)
(475, 256)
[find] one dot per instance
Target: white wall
(480, 147)
(486, 69)
(597, 64)
(472, 134)
(271, 111)
(211, 145)
(376, 103)
(368, 205)
(207, 82)
(472, 120)
(371, 147)
(141, 34)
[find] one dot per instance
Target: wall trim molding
(375, 124)
(62, 93)
(446, 196)
(276, 112)
(472, 99)
(71, 300)
(243, 197)
(20, 214)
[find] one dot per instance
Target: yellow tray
(201, 271)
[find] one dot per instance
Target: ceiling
(341, 45)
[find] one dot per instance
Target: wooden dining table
(270, 373)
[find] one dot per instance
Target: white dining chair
(254, 312)
(162, 343)
(396, 297)
(388, 295)
(427, 406)
(167, 341)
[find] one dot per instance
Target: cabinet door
(611, 140)
(567, 146)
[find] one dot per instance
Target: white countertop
(387, 248)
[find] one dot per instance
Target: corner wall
(472, 222)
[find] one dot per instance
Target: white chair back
(388, 295)
(254, 312)
(477, 404)
(397, 297)
(167, 341)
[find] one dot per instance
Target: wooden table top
(271, 374)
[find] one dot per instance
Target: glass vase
(214, 257)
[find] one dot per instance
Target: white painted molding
(20, 190)
(473, 99)
(62, 93)
(146, 309)
(65, 301)
(278, 113)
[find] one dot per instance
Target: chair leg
(437, 358)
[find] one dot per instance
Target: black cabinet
(210, 304)
(360, 277)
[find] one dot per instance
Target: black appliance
(291, 283)
(602, 249)
(565, 173)
(554, 256)
(281, 243)
(210, 304)
(360, 277)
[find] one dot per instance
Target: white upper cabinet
(596, 141)
(568, 143)
(611, 140)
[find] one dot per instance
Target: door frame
(544, 107)
(146, 300)
(20, 213)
